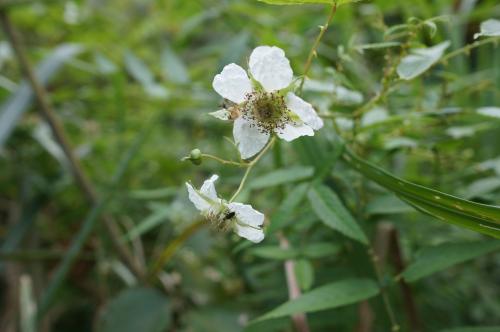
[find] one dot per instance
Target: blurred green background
(121, 73)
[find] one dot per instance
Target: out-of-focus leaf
(478, 217)
(387, 204)
(420, 60)
(374, 116)
(482, 186)
(140, 72)
(273, 252)
(154, 219)
(329, 296)
(489, 28)
(491, 111)
(12, 110)
(301, 2)
(304, 272)
(285, 211)
(136, 309)
(340, 94)
(437, 258)
(282, 176)
(375, 46)
(474, 329)
(332, 212)
(173, 67)
(319, 250)
(149, 194)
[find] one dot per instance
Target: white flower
(264, 105)
(242, 218)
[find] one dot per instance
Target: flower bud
(195, 156)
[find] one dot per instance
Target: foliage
(390, 211)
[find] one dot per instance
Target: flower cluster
(261, 105)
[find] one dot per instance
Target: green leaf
(332, 212)
(173, 67)
(474, 329)
(420, 60)
(283, 215)
(301, 2)
(489, 28)
(282, 176)
(141, 73)
(437, 258)
(320, 249)
(304, 272)
(387, 204)
(334, 295)
(475, 216)
(12, 110)
(490, 111)
(138, 309)
(273, 252)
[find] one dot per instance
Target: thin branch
(300, 319)
(59, 134)
(314, 49)
(249, 168)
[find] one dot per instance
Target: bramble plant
(355, 151)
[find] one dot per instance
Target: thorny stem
(250, 166)
(50, 116)
(314, 49)
(223, 161)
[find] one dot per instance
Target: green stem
(223, 161)
(249, 168)
(314, 49)
(467, 48)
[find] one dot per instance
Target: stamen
(267, 111)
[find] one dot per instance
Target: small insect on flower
(243, 219)
(263, 105)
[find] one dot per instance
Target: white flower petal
(232, 83)
(199, 202)
(249, 233)
(248, 138)
(208, 188)
(270, 67)
(246, 214)
(291, 132)
(304, 110)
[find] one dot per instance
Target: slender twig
(249, 168)
(224, 161)
(315, 46)
(299, 319)
(468, 48)
(51, 118)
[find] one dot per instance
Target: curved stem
(313, 51)
(224, 161)
(467, 48)
(250, 166)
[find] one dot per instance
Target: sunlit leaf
(12, 110)
(489, 28)
(420, 60)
